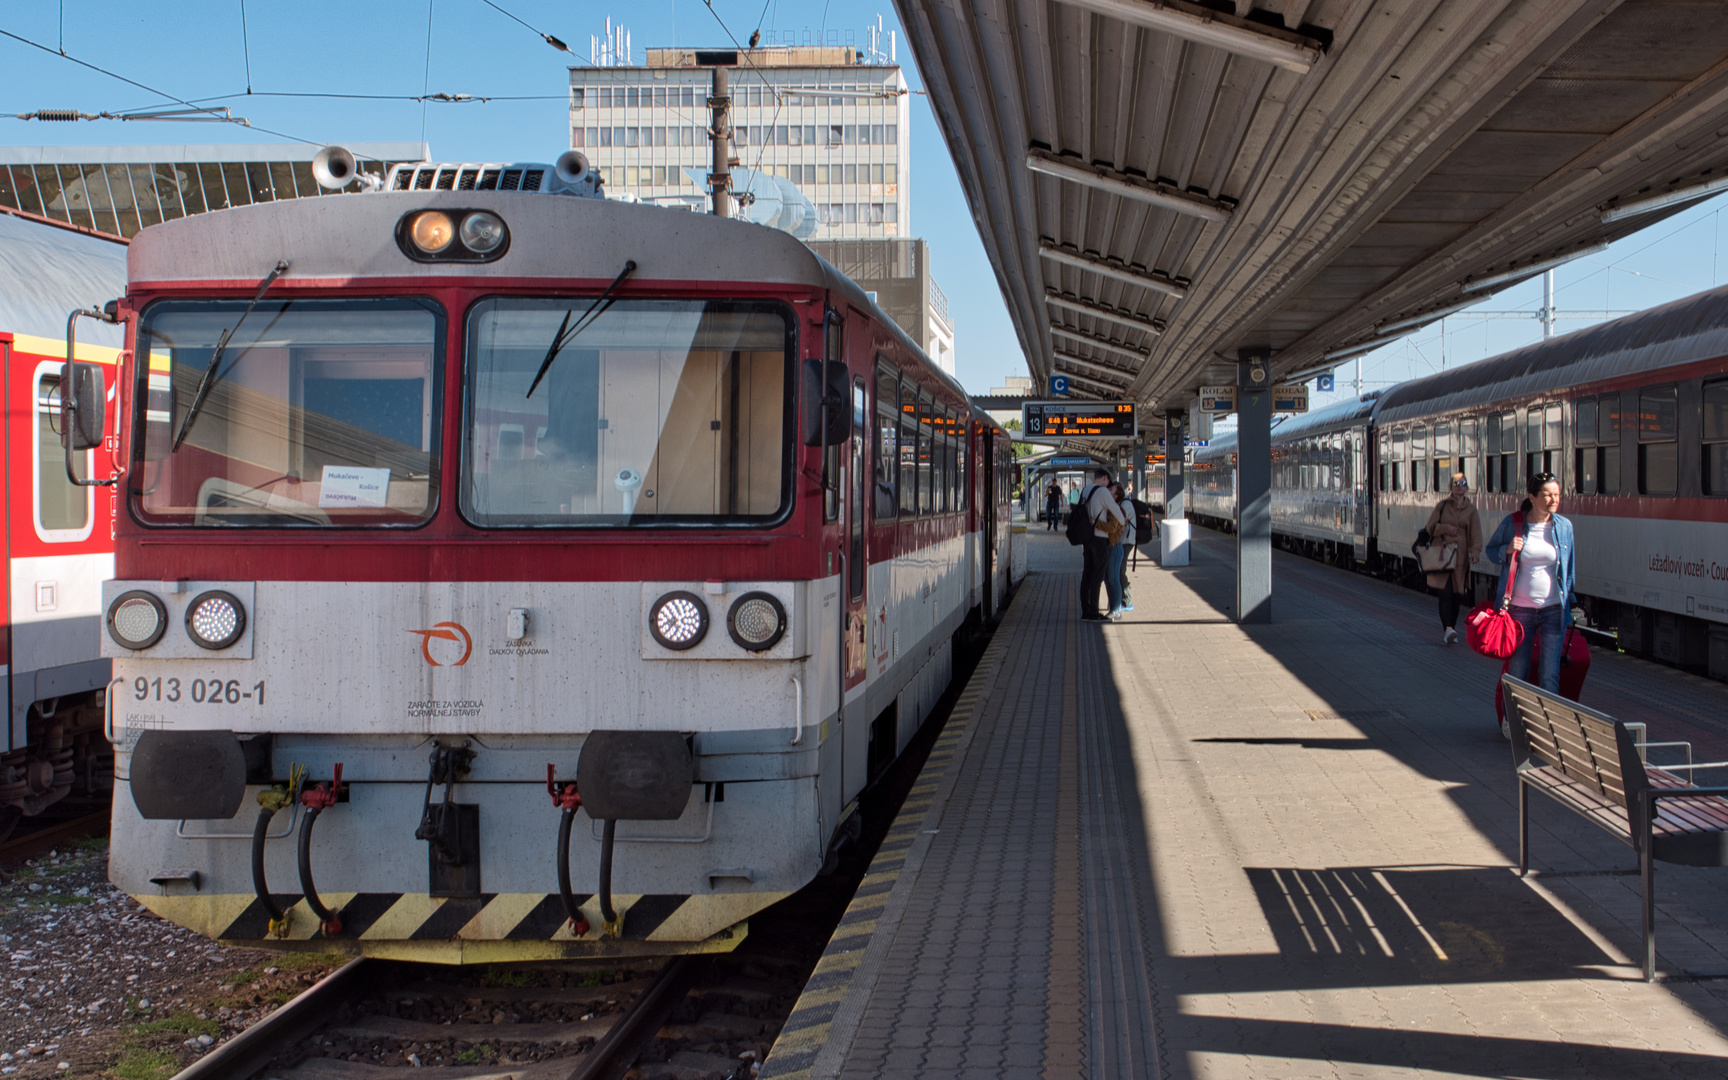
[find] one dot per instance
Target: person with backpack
(1094, 524)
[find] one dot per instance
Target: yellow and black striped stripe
(811, 1024)
(493, 925)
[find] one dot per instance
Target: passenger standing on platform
(1053, 505)
(1455, 522)
(1542, 592)
(1105, 516)
(1119, 554)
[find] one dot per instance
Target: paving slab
(1175, 846)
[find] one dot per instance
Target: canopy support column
(1254, 486)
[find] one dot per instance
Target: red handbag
(1490, 628)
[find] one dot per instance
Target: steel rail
(244, 1054)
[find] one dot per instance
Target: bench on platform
(1589, 763)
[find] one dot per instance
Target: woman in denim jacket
(1542, 594)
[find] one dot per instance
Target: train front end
(470, 599)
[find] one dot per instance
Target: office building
(819, 116)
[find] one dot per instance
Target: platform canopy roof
(1162, 184)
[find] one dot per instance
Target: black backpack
(1142, 522)
(1080, 518)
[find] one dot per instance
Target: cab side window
(62, 509)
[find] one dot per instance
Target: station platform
(1175, 846)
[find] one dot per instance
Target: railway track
(680, 1018)
(30, 839)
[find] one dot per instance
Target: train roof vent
(534, 177)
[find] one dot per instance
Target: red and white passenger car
(58, 537)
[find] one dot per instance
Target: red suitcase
(1573, 667)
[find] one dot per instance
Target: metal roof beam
(1093, 365)
(1101, 342)
(1105, 312)
(1190, 22)
(1114, 271)
(1523, 272)
(1107, 180)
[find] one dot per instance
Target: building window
(576, 95)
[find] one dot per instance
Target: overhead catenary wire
(241, 121)
(245, 46)
(550, 40)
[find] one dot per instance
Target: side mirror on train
(819, 398)
(83, 407)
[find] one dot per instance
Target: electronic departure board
(1078, 420)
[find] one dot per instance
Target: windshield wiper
(209, 379)
(567, 333)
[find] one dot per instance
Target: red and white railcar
(59, 544)
(447, 497)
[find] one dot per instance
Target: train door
(856, 489)
(986, 509)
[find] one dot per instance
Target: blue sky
(381, 48)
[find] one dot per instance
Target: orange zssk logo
(445, 631)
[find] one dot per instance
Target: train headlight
(431, 231)
(136, 619)
(678, 620)
(455, 235)
(482, 232)
(757, 621)
(215, 619)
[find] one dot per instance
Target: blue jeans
(1548, 625)
(1113, 578)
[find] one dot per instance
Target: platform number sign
(1324, 384)
(1079, 419)
(1058, 386)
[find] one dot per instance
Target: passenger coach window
(1596, 453)
(909, 449)
(887, 448)
(62, 508)
(1658, 450)
(1399, 439)
(1419, 458)
(1470, 451)
(1716, 438)
(657, 412)
(316, 412)
(1543, 440)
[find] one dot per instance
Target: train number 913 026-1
(201, 692)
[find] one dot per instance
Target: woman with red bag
(1542, 591)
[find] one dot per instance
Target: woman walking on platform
(1542, 591)
(1455, 522)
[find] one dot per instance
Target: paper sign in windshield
(351, 486)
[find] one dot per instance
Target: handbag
(1490, 628)
(1437, 557)
(1112, 529)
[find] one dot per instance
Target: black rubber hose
(260, 884)
(326, 917)
(577, 919)
(606, 838)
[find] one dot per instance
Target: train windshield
(297, 413)
(652, 412)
